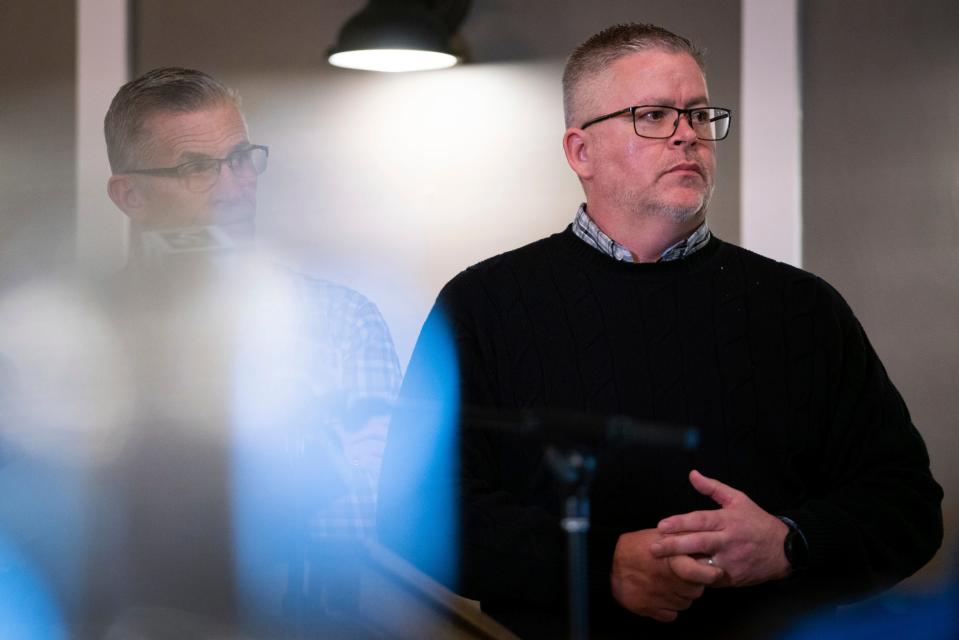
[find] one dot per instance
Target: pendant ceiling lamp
(400, 35)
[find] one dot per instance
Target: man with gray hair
(810, 483)
(268, 372)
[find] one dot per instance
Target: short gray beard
(678, 214)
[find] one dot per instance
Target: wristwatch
(794, 546)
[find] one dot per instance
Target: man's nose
(684, 134)
(234, 181)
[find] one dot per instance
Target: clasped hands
(660, 572)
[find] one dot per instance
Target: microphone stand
(570, 439)
(574, 469)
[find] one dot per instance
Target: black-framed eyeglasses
(659, 121)
(201, 175)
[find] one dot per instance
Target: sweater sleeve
(874, 517)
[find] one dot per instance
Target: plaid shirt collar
(590, 233)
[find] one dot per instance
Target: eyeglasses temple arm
(606, 117)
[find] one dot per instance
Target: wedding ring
(711, 562)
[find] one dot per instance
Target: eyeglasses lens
(662, 122)
(203, 174)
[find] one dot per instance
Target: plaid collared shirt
(313, 367)
(590, 233)
(350, 360)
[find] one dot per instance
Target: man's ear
(127, 196)
(578, 152)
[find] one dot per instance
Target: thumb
(718, 492)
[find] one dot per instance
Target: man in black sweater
(810, 483)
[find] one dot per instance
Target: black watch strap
(794, 546)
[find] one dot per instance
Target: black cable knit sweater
(768, 361)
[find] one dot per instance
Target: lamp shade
(394, 35)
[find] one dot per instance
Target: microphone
(163, 246)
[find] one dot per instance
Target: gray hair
(611, 44)
(168, 89)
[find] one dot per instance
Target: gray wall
(235, 38)
(37, 136)
(881, 196)
(397, 182)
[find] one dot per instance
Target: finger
(663, 615)
(691, 570)
(685, 544)
(687, 592)
(720, 493)
(710, 520)
(365, 438)
(673, 601)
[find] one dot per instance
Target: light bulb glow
(393, 60)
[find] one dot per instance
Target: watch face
(795, 549)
